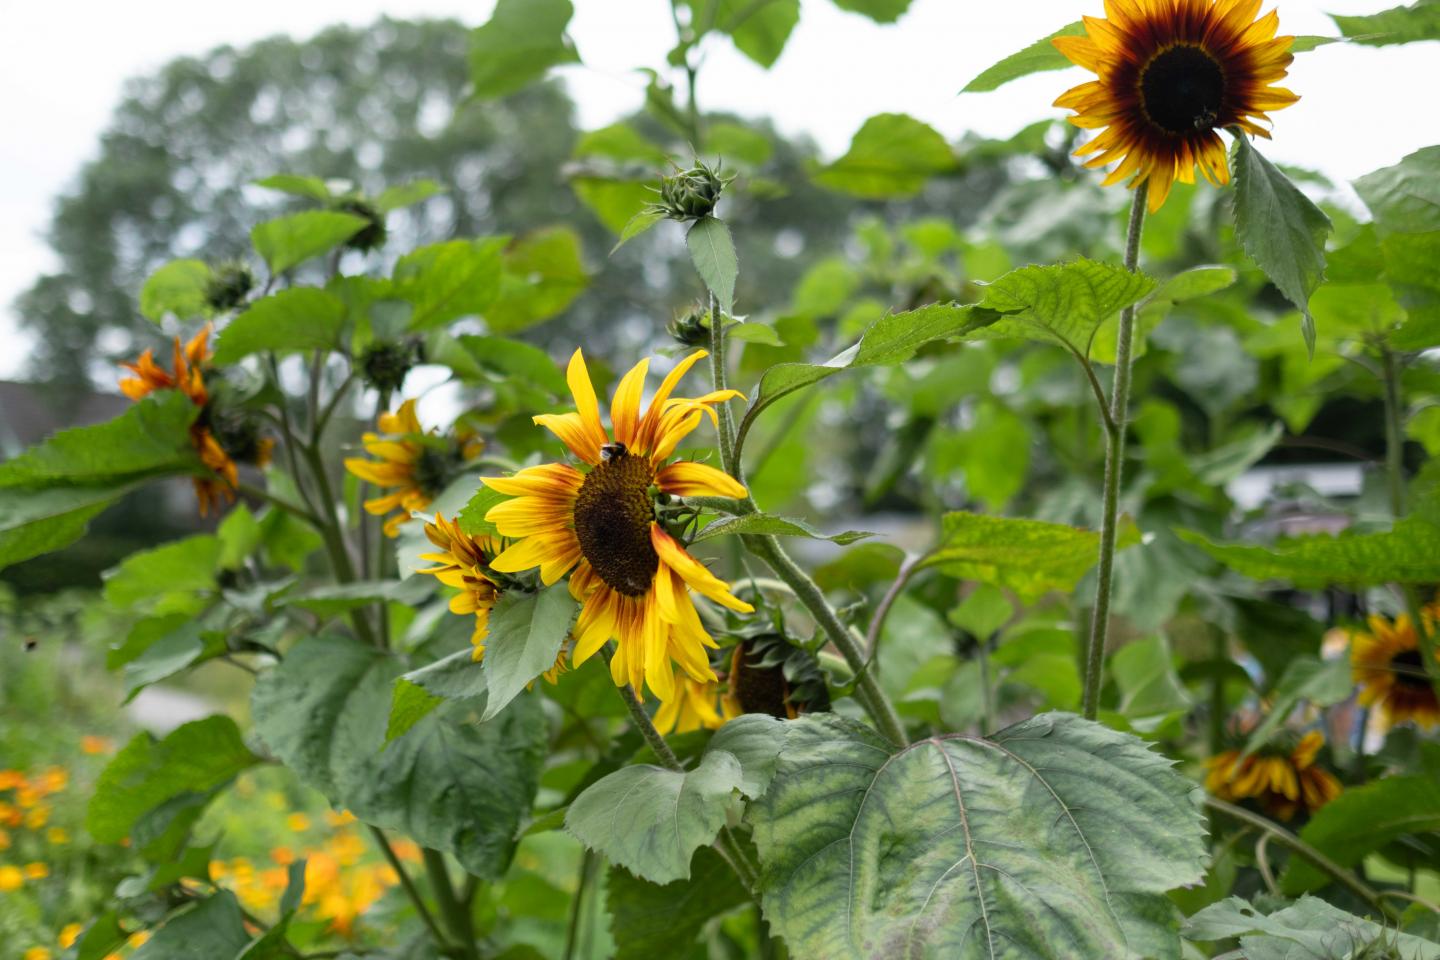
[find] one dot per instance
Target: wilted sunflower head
(1170, 73)
(1281, 776)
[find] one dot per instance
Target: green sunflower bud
(691, 194)
(384, 364)
(691, 329)
(372, 235)
(229, 284)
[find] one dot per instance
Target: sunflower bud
(691, 194)
(229, 284)
(770, 675)
(239, 435)
(372, 235)
(691, 329)
(384, 364)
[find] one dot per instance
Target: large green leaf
(892, 339)
(759, 30)
(1405, 198)
(892, 155)
(177, 650)
(300, 318)
(35, 520)
(193, 759)
(214, 927)
(1063, 303)
(1281, 230)
(1030, 557)
(1039, 56)
(150, 439)
(1409, 553)
(519, 44)
(177, 288)
(542, 275)
(527, 631)
(650, 820)
(768, 525)
(713, 253)
(446, 281)
(334, 599)
(650, 920)
(1056, 837)
(1309, 929)
(452, 783)
(1418, 21)
(1361, 820)
(1150, 689)
(185, 566)
(881, 11)
(513, 359)
(288, 241)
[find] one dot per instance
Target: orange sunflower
(631, 575)
(185, 375)
(412, 464)
(1281, 782)
(1387, 664)
(1170, 74)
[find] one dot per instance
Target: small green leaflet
(286, 242)
(527, 631)
(1039, 56)
(521, 42)
(767, 525)
(892, 155)
(1418, 21)
(177, 288)
(297, 319)
(1362, 819)
(713, 253)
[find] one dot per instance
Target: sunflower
(1387, 664)
(630, 575)
(1280, 782)
(412, 464)
(185, 375)
(1171, 73)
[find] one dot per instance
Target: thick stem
(719, 377)
(410, 889)
(457, 917)
(1114, 465)
(1339, 874)
(572, 929)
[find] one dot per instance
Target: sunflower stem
(426, 917)
(718, 377)
(1114, 465)
(1339, 874)
(457, 917)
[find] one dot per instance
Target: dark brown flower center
(1410, 670)
(613, 513)
(1182, 90)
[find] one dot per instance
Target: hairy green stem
(457, 917)
(719, 376)
(1339, 874)
(1114, 468)
(279, 503)
(426, 917)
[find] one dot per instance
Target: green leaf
(103, 936)
(456, 677)
(515, 359)
(737, 144)
(769, 525)
(543, 274)
(178, 289)
(446, 281)
(214, 927)
(755, 740)
(1150, 689)
(185, 566)
(1281, 230)
(1418, 21)
(518, 45)
(1039, 56)
(312, 188)
(892, 155)
(759, 30)
(472, 518)
(648, 920)
(333, 600)
(892, 339)
(450, 782)
(1030, 557)
(749, 332)
(300, 318)
(1054, 837)
(1363, 819)
(983, 612)
(194, 758)
(288, 241)
(638, 224)
(1064, 303)
(1309, 929)
(181, 648)
(240, 535)
(713, 253)
(1305, 44)
(527, 631)
(1409, 553)
(150, 439)
(406, 194)
(650, 820)
(1405, 198)
(409, 704)
(881, 11)
(37, 521)
(1323, 683)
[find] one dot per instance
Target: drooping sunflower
(1386, 661)
(185, 375)
(1170, 74)
(1282, 781)
(631, 575)
(412, 464)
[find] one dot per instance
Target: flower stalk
(1114, 469)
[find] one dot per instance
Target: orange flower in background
(632, 577)
(1170, 73)
(1283, 783)
(1387, 663)
(11, 878)
(411, 463)
(94, 745)
(10, 779)
(186, 377)
(69, 934)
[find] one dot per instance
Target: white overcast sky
(62, 64)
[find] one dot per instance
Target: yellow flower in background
(53, 780)
(11, 879)
(692, 707)
(4, 840)
(10, 779)
(632, 578)
(339, 818)
(297, 822)
(1170, 73)
(464, 563)
(138, 939)
(1283, 783)
(1387, 663)
(37, 818)
(38, 953)
(410, 463)
(36, 871)
(58, 836)
(69, 934)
